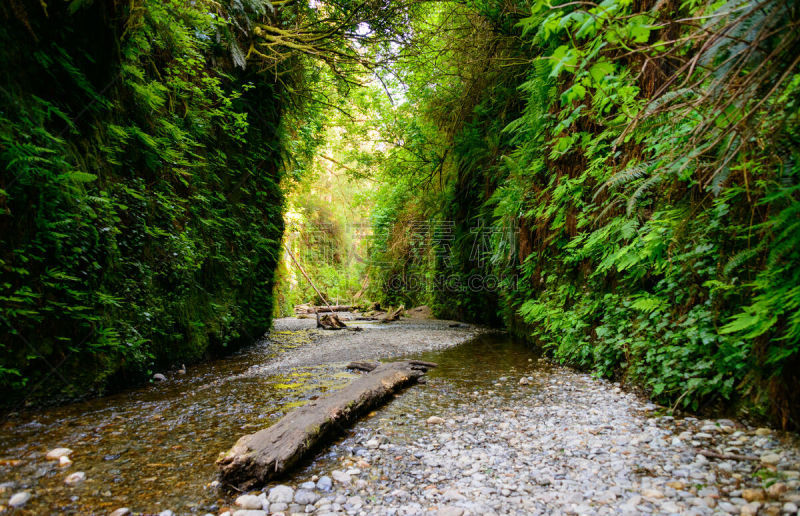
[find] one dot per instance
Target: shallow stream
(154, 448)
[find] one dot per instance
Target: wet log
(392, 315)
(259, 457)
(330, 321)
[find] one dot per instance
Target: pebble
(305, 497)
(249, 501)
(122, 511)
(341, 477)
(75, 478)
(57, 453)
(280, 494)
(159, 377)
(435, 420)
(324, 483)
(19, 499)
(770, 459)
(64, 461)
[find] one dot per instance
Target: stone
(278, 507)
(159, 377)
(341, 477)
(249, 512)
(281, 494)
(770, 459)
(57, 453)
(75, 478)
(372, 444)
(777, 489)
(753, 495)
(652, 493)
(435, 420)
(751, 509)
(64, 461)
(249, 501)
(324, 483)
(305, 497)
(166, 513)
(122, 511)
(524, 381)
(308, 485)
(19, 499)
(763, 431)
(450, 511)
(789, 508)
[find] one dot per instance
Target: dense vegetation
(645, 157)
(140, 202)
(617, 182)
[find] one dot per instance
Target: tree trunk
(258, 457)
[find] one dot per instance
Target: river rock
(305, 497)
(249, 501)
(770, 459)
(435, 420)
(278, 507)
(64, 462)
(789, 508)
(57, 453)
(777, 489)
(324, 483)
(19, 499)
(281, 494)
(122, 511)
(75, 478)
(524, 381)
(751, 509)
(249, 512)
(159, 377)
(763, 431)
(341, 477)
(753, 495)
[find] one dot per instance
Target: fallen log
(258, 457)
(330, 321)
(392, 315)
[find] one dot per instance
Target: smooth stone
(652, 493)
(324, 483)
(249, 512)
(450, 511)
(790, 508)
(64, 461)
(777, 489)
(753, 495)
(159, 377)
(75, 478)
(122, 511)
(19, 499)
(305, 497)
(435, 420)
(281, 494)
(751, 509)
(524, 381)
(57, 453)
(278, 507)
(308, 485)
(249, 501)
(770, 459)
(166, 513)
(341, 477)
(763, 431)
(372, 444)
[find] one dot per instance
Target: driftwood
(392, 315)
(258, 457)
(330, 321)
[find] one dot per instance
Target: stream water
(154, 448)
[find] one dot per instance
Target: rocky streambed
(496, 430)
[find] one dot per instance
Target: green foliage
(651, 168)
(140, 209)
